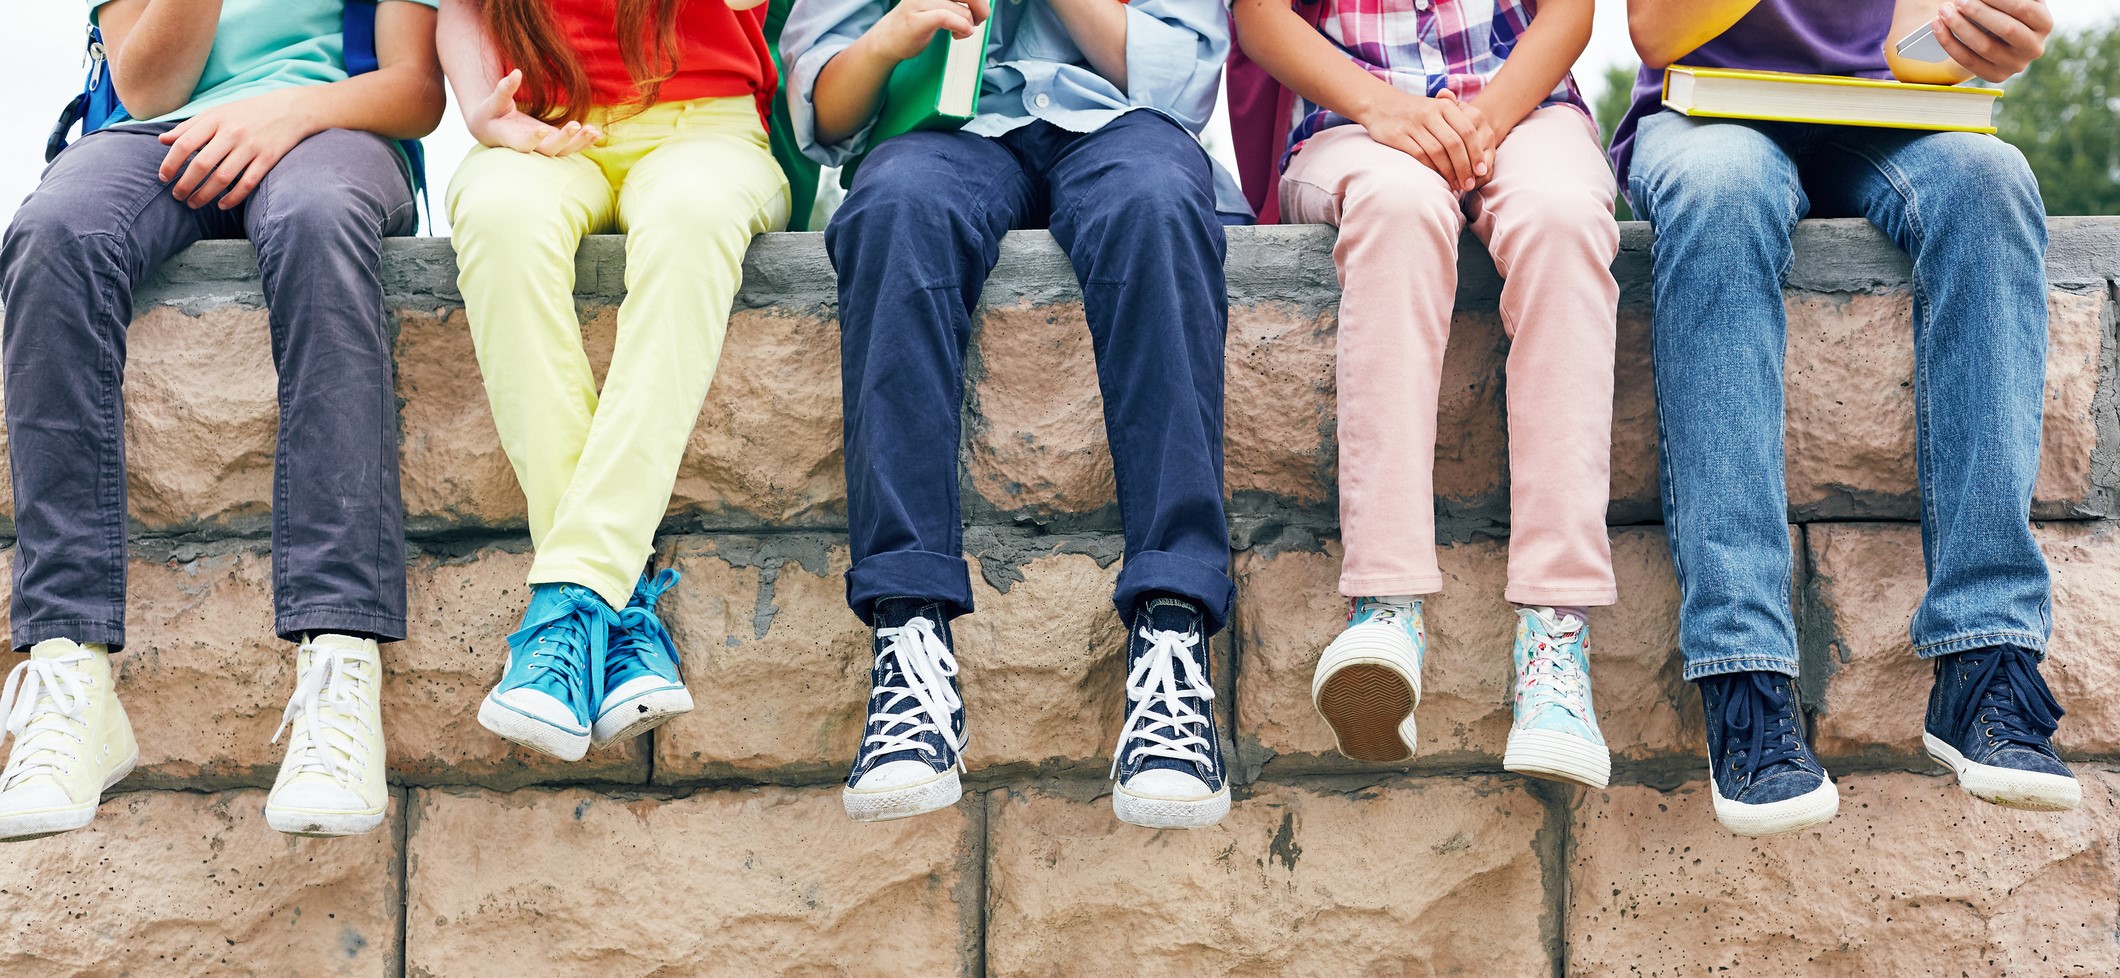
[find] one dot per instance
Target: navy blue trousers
(1133, 206)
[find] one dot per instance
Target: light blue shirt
(1174, 55)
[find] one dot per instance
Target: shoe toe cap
(36, 795)
(1781, 786)
(2020, 759)
(1168, 783)
(317, 793)
(895, 774)
(542, 706)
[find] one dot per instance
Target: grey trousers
(100, 223)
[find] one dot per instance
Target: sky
(41, 68)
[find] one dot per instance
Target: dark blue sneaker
(1169, 761)
(1991, 721)
(1765, 779)
(643, 688)
(913, 745)
(555, 675)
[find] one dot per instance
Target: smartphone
(1922, 45)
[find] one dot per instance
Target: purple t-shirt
(1813, 37)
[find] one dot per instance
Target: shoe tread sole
(1366, 704)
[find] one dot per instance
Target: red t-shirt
(719, 52)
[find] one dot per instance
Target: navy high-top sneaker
(1766, 780)
(1991, 720)
(1169, 761)
(913, 745)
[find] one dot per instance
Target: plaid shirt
(1420, 47)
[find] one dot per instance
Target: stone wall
(717, 846)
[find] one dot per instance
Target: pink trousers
(1546, 216)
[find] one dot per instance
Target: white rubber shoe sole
(1557, 756)
(24, 826)
(1812, 808)
(2031, 791)
(516, 727)
(1366, 689)
(1150, 812)
(903, 801)
(640, 714)
(321, 824)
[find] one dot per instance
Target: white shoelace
(1166, 676)
(1551, 676)
(926, 702)
(46, 705)
(325, 702)
(1391, 612)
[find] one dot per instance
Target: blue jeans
(1724, 198)
(1132, 204)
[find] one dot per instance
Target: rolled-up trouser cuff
(1204, 584)
(292, 625)
(2035, 644)
(909, 574)
(82, 630)
(1722, 665)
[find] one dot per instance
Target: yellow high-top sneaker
(72, 740)
(332, 781)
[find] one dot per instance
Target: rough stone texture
(1913, 878)
(1436, 878)
(1290, 611)
(463, 609)
(453, 470)
(181, 883)
(779, 677)
(1868, 580)
(782, 678)
(1851, 403)
(764, 881)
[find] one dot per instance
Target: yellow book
(1775, 96)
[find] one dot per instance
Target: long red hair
(555, 88)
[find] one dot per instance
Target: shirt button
(1042, 100)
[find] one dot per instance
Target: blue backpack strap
(94, 107)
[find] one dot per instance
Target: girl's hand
(743, 4)
(231, 147)
(495, 121)
(1446, 135)
(905, 31)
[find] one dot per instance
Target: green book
(936, 89)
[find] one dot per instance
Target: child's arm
(1436, 131)
(1098, 27)
(161, 46)
(1993, 39)
(486, 99)
(1667, 30)
(1543, 55)
(850, 87)
(233, 146)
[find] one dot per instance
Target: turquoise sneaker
(643, 687)
(1555, 735)
(555, 672)
(1369, 679)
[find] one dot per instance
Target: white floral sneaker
(1369, 679)
(72, 740)
(1555, 735)
(332, 782)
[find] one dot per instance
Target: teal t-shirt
(263, 46)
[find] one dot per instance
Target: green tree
(2064, 114)
(1610, 108)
